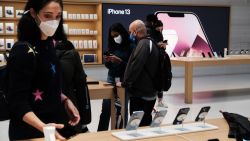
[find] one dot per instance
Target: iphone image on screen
(185, 34)
(158, 118)
(135, 120)
(202, 114)
(181, 115)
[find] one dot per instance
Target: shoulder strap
(150, 45)
(150, 48)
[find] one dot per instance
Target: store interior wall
(240, 19)
(239, 37)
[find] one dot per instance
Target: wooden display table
(220, 133)
(190, 63)
(105, 91)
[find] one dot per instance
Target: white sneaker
(162, 104)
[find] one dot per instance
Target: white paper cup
(49, 133)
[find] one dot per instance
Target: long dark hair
(28, 30)
(118, 27)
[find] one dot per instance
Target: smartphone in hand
(107, 53)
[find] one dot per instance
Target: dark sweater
(34, 85)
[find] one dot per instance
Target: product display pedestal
(164, 131)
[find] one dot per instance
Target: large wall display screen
(188, 29)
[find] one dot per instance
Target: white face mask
(49, 27)
(118, 39)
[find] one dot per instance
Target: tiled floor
(222, 92)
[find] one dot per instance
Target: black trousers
(138, 104)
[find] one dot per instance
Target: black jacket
(136, 77)
(33, 85)
(74, 83)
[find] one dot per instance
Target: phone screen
(107, 53)
(135, 120)
(181, 115)
(202, 114)
(158, 118)
(184, 33)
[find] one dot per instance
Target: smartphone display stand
(203, 55)
(180, 119)
(215, 54)
(133, 124)
(182, 128)
(203, 121)
(156, 122)
(201, 117)
(134, 133)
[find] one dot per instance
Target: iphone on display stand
(221, 54)
(180, 117)
(134, 122)
(173, 54)
(157, 120)
(203, 55)
(202, 115)
(184, 33)
(210, 55)
(215, 54)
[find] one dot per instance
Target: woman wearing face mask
(34, 83)
(119, 48)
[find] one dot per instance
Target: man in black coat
(142, 64)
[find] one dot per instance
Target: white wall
(240, 26)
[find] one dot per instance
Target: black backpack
(4, 111)
(163, 79)
(239, 126)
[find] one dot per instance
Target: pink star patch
(38, 95)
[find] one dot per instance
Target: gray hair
(139, 26)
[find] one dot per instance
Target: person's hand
(119, 84)
(160, 99)
(115, 59)
(72, 112)
(57, 135)
(162, 45)
(107, 58)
